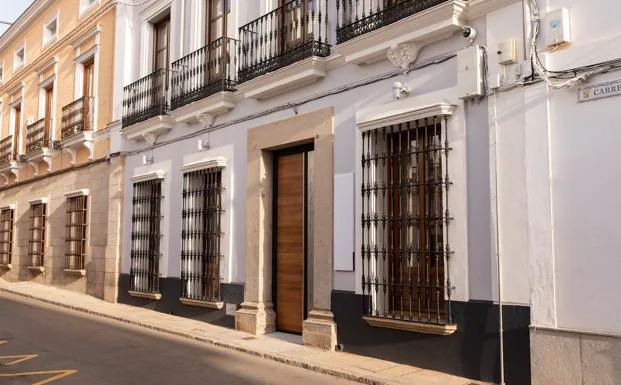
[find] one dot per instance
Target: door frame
(301, 149)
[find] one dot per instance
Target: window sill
(199, 303)
(78, 272)
(6, 266)
(36, 269)
(140, 294)
(419, 327)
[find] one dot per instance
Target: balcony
(36, 136)
(8, 151)
(77, 117)
(145, 98)
(77, 127)
(204, 72)
(366, 30)
(8, 158)
(292, 33)
(204, 81)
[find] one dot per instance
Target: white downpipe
(498, 254)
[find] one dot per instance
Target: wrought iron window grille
(357, 17)
(36, 243)
(201, 234)
(146, 236)
(75, 233)
(6, 235)
(405, 218)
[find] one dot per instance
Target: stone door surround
(256, 314)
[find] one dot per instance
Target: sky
(10, 10)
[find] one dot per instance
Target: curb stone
(274, 357)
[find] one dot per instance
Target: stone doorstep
(330, 363)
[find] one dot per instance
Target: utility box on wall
(470, 72)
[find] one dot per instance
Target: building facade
(319, 168)
(61, 189)
(376, 176)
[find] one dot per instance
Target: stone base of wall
(170, 303)
(561, 357)
(102, 238)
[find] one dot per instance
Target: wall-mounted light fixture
(399, 90)
(202, 145)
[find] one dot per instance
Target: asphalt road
(43, 341)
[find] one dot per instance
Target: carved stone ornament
(205, 119)
(402, 55)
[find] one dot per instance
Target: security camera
(469, 32)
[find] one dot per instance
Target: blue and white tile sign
(599, 91)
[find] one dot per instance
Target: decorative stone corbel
(403, 55)
(150, 138)
(90, 147)
(35, 167)
(72, 153)
(15, 169)
(5, 178)
(205, 119)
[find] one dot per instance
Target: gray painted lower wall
(560, 357)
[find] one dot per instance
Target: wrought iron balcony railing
(145, 98)
(77, 117)
(204, 72)
(295, 31)
(37, 135)
(357, 17)
(8, 151)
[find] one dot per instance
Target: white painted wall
(472, 269)
(558, 185)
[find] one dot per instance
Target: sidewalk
(344, 365)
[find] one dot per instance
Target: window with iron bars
(146, 235)
(405, 249)
(201, 234)
(6, 235)
(75, 235)
(36, 245)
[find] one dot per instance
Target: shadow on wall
(472, 351)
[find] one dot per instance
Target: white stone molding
(77, 193)
(285, 79)
(10, 206)
(73, 143)
(399, 112)
(44, 156)
(37, 201)
(150, 129)
(154, 174)
(205, 110)
(204, 164)
(403, 55)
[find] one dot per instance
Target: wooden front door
(290, 238)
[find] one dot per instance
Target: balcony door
(295, 23)
(161, 60)
(49, 111)
(88, 83)
(17, 123)
(217, 48)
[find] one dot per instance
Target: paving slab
(280, 348)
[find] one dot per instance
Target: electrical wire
(296, 103)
